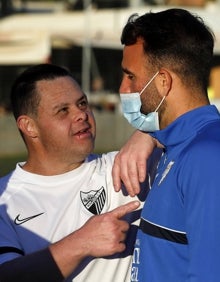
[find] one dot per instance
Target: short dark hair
(174, 38)
(24, 98)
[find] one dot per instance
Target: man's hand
(107, 232)
(102, 235)
(130, 164)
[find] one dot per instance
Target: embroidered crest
(94, 201)
(166, 171)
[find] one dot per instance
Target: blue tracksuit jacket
(179, 235)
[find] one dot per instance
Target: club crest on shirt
(94, 200)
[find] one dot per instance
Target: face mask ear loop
(160, 103)
(149, 82)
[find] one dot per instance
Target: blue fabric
(184, 202)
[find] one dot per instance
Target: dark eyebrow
(125, 70)
(82, 97)
(63, 105)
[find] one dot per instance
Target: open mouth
(83, 133)
(84, 130)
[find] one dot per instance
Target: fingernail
(137, 203)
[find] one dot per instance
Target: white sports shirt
(36, 211)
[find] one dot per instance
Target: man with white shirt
(60, 218)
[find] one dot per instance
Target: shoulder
(200, 158)
(105, 158)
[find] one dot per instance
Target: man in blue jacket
(166, 63)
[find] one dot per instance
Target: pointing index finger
(125, 209)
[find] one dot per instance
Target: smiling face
(64, 123)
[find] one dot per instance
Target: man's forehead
(59, 88)
(57, 84)
(132, 55)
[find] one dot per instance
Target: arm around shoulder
(130, 165)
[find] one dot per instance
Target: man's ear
(27, 126)
(164, 82)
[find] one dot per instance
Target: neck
(43, 166)
(178, 107)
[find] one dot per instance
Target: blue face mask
(131, 105)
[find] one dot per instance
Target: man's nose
(81, 115)
(124, 87)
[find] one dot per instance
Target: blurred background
(84, 36)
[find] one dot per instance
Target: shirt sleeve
(35, 267)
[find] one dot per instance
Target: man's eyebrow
(64, 104)
(125, 70)
(61, 105)
(82, 98)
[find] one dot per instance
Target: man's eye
(63, 110)
(83, 104)
(130, 76)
